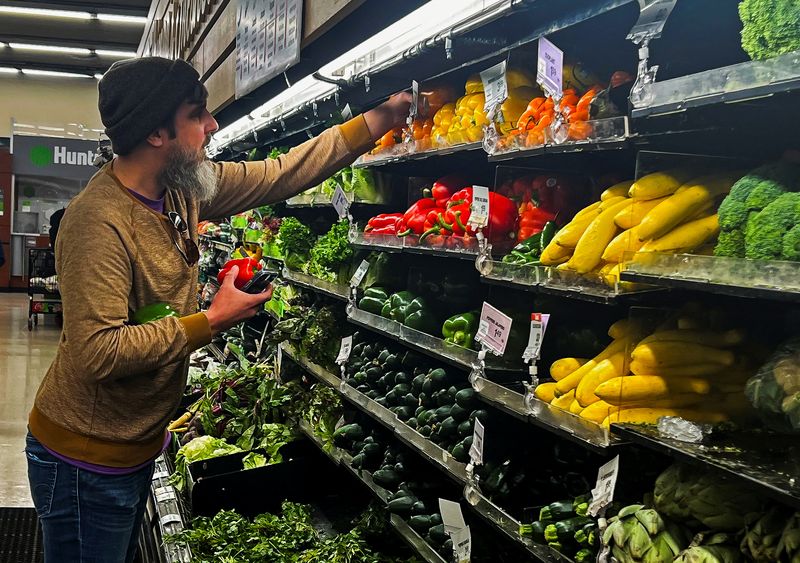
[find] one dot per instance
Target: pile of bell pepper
(403, 307)
(384, 224)
(460, 329)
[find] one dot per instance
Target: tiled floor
(24, 358)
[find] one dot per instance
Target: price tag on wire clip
(413, 111)
(550, 68)
(495, 88)
(603, 492)
(479, 208)
(494, 329)
(339, 202)
(538, 327)
(476, 449)
(462, 544)
(344, 350)
(358, 275)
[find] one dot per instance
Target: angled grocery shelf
(509, 526)
(768, 462)
(741, 82)
(430, 345)
(317, 371)
(612, 133)
(415, 541)
(336, 455)
(218, 244)
(406, 153)
(381, 243)
(545, 416)
(738, 277)
(335, 290)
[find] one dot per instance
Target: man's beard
(190, 173)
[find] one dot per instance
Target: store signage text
(53, 156)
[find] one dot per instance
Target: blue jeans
(86, 517)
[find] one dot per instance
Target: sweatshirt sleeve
(95, 278)
(246, 185)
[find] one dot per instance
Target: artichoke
(641, 534)
(716, 548)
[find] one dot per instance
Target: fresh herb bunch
(322, 409)
(295, 242)
(323, 337)
(331, 253)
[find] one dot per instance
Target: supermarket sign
(53, 156)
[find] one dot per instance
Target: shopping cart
(43, 295)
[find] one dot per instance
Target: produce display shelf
(288, 349)
(509, 526)
(324, 202)
(768, 462)
(612, 133)
(738, 277)
(342, 458)
(381, 243)
(216, 352)
(735, 83)
(430, 451)
(335, 290)
(545, 416)
(403, 154)
(218, 244)
(427, 344)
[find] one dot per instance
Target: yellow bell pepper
(474, 84)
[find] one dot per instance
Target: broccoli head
(730, 244)
(770, 27)
(764, 193)
(732, 215)
(791, 244)
(765, 230)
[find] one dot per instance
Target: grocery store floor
(24, 358)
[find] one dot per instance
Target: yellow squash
(625, 243)
(632, 389)
(684, 238)
(651, 415)
(569, 235)
(598, 411)
(633, 215)
(589, 250)
(607, 369)
(570, 382)
(724, 339)
(623, 328)
(688, 370)
(564, 401)
(617, 190)
(680, 354)
(553, 254)
(593, 208)
(565, 366)
(659, 184)
(575, 407)
(545, 391)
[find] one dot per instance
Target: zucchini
(419, 508)
(401, 389)
(438, 378)
(402, 377)
(420, 523)
(392, 398)
(460, 453)
(358, 461)
(386, 478)
(459, 413)
(425, 430)
(420, 409)
(465, 398)
(448, 428)
(401, 505)
(443, 412)
(537, 531)
(371, 450)
(564, 530)
(480, 414)
(410, 401)
(559, 510)
(436, 519)
(467, 442)
(352, 432)
(465, 428)
(383, 356)
(438, 534)
(412, 423)
(416, 384)
(393, 361)
(373, 394)
(381, 401)
(403, 412)
(399, 494)
(358, 349)
(363, 388)
(443, 399)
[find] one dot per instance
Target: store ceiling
(91, 35)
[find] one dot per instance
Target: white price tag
(494, 329)
(603, 492)
(414, 109)
(339, 202)
(278, 362)
(653, 15)
(462, 544)
(479, 209)
(344, 350)
(170, 519)
(359, 274)
(164, 494)
(550, 68)
(476, 449)
(347, 113)
(538, 327)
(495, 88)
(452, 517)
(160, 474)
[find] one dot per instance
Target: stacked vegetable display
(691, 366)
(671, 211)
(565, 526)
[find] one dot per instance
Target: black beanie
(138, 95)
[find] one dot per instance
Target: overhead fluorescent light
(51, 48)
(141, 20)
(8, 70)
(72, 14)
(53, 73)
(112, 53)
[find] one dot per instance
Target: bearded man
(128, 240)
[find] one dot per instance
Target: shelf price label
(456, 528)
(495, 88)
(550, 68)
(347, 113)
(358, 275)
(476, 449)
(538, 327)
(344, 350)
(479, 208)
(653, 15)
(339, 202)
(413, 111)
(493, 329)
(462, 545)
(603, 492)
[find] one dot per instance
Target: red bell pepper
(503, 216)
(383, 221)
(445, 187)
(247, 268)
(532, 220)
(413, 220)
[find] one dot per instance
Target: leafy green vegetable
(253, 460)
(331, 252)
(204, 447)
(765, 231)
(770, 27)
(295, 242)
(322, 339)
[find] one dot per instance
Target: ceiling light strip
(50, 48)
(53, 73)
(73, 14)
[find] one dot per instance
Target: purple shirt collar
(156, 205)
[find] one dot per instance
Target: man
(129, 240)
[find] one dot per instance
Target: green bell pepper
(419, 317)
(153, 312)
(460, 329)
(373, 300)
(395, 306)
